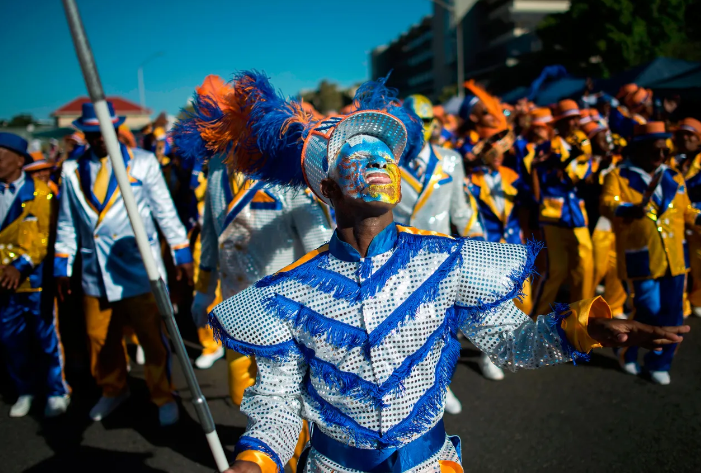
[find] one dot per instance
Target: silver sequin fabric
(365, 350)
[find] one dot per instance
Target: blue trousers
(658, 302)
(21, 321)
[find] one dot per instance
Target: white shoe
(489, 369)
(22, 406)
(600, 289)
(696, 311)
(106, 405)
(56, 405)
(452, 403)
(168, 414)
(140, 355)
(631, 368)
(621, 316)
(660, 377)
(204, 362)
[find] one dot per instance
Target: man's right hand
(241, 466)
(63, 287)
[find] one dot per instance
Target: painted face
(366, 169)
(423, 108)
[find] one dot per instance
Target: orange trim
(305, 258)
(266, 464)
(416, 231)
(62, 255)
(180, 246)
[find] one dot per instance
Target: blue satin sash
(390, 460)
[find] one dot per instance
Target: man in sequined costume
(359, 337)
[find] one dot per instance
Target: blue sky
(297, 42)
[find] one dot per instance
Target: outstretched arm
(493, 277)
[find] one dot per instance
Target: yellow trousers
(570, 256)
(105, 323)
(604, 244)
(205, 333)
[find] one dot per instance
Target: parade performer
(687, 160)
(500, 193)
(25, 213)
(603, 238)
(433, 199)
(360, 335)
(562, 212)
(648, 204)
(116, 287)
(249, 231)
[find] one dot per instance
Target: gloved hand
(199, 308)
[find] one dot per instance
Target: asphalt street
(584, 418)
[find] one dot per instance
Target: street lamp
(142, 91)
(458, 46)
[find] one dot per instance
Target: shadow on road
(64, 435)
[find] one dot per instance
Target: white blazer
(112, 266)
(436, 199)
(255, 232)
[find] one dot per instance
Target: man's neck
(12, 178)
(359, 232)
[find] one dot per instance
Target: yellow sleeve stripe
(305, 258)
(416, 231)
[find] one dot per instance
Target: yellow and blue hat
(88, 120)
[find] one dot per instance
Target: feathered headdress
(275, 140)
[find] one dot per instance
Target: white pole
(92, 80)
(142, 90)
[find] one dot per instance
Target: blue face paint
(365, 169)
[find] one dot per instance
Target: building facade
(496, 34)
(137, 117)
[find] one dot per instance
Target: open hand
(9, 277)
(625, 333)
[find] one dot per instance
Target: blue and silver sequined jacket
(364, 348)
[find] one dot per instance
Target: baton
(158, 287)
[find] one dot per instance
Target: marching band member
(360, 335)
(117, 289)
(563, 215)
(603, 238)
(687, 160)
(25, 214)
(249, 231)
(648, 204)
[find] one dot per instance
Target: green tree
(22, 119)
(601, 37)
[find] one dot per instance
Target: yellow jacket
(652, 246)
(24, 234)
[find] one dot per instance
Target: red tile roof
(121, 106)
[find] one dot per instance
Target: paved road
(576, 419)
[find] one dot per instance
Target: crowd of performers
(328, 239)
